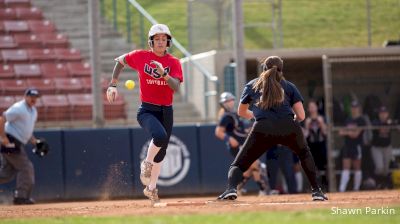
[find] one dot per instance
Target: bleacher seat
(87, 84)
(14, 56)
(18, 3)
(68, 85)
(11, 26)
(57, 107)
(13, 86)
(2, 28)
(37, 55)
(45, 86)
(27, 71)
(7, 41)
(7, 72)
(32, 13)
(41, 26)
(53, 40)
(8, 14)
(115, 110)
(27, 40)
(81, 106)
(78, 69)
(6, 102)
(54, 70)
(33, 54)
(72, 54)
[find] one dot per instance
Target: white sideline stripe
(165, 204)
(303, 203)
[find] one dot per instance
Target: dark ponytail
(269, 85)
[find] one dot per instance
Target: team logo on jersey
(153, 71)
(176, 163)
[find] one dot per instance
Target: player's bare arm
(3, 136)
(299, 111)
(33, 140)
(243, 111)
(112, 92)
(173, 83)
(220, 132)
(119, 65)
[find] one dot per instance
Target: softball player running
(275, 103)
(160, 75)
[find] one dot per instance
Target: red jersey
(153, 88)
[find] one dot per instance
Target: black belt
(154, 107)
(15, 149)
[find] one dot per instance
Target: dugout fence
(373, 82)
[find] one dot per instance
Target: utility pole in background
(94, 35)
(238, 46)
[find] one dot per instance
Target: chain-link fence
(362, 110)
(210, 24)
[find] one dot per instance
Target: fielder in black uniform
(233, 130)
(277, 107)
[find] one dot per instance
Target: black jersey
(234, 126)
(315, 132)
(381, 136)
(354, 123)
(292, 96)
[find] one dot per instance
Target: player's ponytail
(269, 85)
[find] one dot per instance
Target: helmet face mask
(159, 29)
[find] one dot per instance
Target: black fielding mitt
(41, 148)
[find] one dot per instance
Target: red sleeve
(132, 58)
(177, 70)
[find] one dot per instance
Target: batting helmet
(226, 96)
(159, 29)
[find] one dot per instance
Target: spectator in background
(352, 150)
(315, 133)
(381, 147)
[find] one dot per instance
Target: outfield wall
(104, 164)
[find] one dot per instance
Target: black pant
(157, 121)
(264, 135)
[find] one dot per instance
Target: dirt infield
(203, 205)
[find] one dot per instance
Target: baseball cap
(355, 103)
(32, 92)
(383, 109)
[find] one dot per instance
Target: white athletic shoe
(145, 172)
(152, 195)
(262, 193)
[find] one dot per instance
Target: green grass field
(289, 217)
(306, 23)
